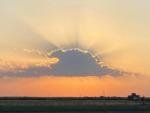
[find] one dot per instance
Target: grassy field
(72, 105)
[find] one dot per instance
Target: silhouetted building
(134, 97)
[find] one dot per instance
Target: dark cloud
(79, 63)
(73, 62)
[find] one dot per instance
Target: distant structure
(134, 97)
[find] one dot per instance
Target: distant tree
(143, 100)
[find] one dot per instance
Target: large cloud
(78, 62)
(72, 62)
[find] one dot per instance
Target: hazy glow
(74, 86)
(115, 30)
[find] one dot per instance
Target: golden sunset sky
(116, 31)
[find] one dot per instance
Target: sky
(74, 47)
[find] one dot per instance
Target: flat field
(72, 105)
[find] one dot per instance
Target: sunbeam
(77, 42)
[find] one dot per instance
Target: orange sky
(74, 86)
(116, 31)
